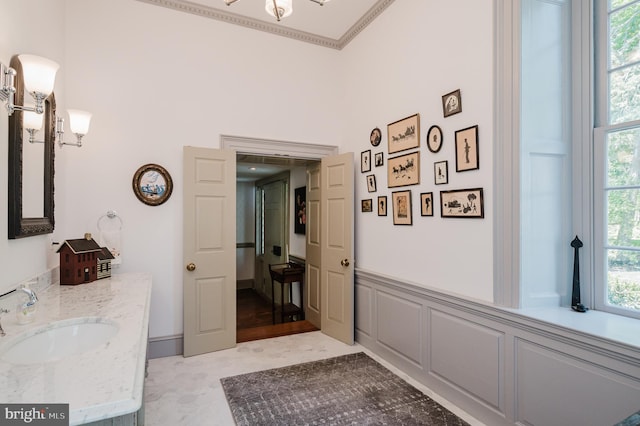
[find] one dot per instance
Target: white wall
(156, 80)
(36, 27)
(245, 230)
(401, 65)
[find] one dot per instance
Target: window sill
(600, 324)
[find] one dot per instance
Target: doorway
(209, 290)
(266, 235)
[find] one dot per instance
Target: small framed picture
(379, 159)
(365, 161)
(403, 170)
(401, 207)
(426, 204)
(152, 184)
(382, 205)
(434, 139)
(462, 203)
(404, 134)
(451, 103)
(367, 205)
(441, 172)
(371, 183)
(375, 137)
(467, 149)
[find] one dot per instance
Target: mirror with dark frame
(36, 220)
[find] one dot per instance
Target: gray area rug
(349, 389)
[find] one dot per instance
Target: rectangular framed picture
(404, 134)
(467, 149)
(301, 210)
(451, 103)
(371, 183)
(462, 203)
(403, 170)
(382, 205)
(379, 159)
(426, 204)
(441, 172)
(367, 206)
(365, 161)
(401, 207)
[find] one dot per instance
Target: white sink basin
(59, 340)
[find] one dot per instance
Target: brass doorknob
(344, 262)
(191, 267)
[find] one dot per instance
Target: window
(576, 167)
(617, 157)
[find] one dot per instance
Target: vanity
(98, 368)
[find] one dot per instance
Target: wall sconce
(78, 123)
(39, 76)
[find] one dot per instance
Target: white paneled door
(209, 276)
(336, 240)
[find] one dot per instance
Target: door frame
(276, 148)
(273, 148)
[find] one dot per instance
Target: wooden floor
(254, 319)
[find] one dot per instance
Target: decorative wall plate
(152, 184)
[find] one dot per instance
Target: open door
(313, 249)
(336, 241)
(209, 223)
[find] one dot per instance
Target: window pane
(623, 277)
(614, 4)
(623, 218)
(624, 94)
(623, 158)
(624, 35)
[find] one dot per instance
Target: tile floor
(187, 391)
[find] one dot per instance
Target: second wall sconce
(78, 123)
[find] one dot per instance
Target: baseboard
(244, 284)
(160, 347)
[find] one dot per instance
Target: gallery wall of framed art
(404, 164)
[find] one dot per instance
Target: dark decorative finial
(575, 295)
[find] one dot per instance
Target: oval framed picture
(375, 137)
(152, 184)
(434, 139)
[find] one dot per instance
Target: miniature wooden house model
(104, 263)
(79, 261)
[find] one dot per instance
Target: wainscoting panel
(498, 365)
(468, 355)
(555, 388)
(399, 323)
(364, 312)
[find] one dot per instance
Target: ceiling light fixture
(279, 8)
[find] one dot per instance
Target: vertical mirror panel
(31, 169)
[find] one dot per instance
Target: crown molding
(256, 24)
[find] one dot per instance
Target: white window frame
(507, 176)
(587, 157)
(600, 132)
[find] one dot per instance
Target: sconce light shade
(79, 121)
(284, 8)
(39, 74)
(31, 120)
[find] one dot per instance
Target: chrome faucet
(33, 297)
(3, 311)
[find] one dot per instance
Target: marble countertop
(101, 383)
